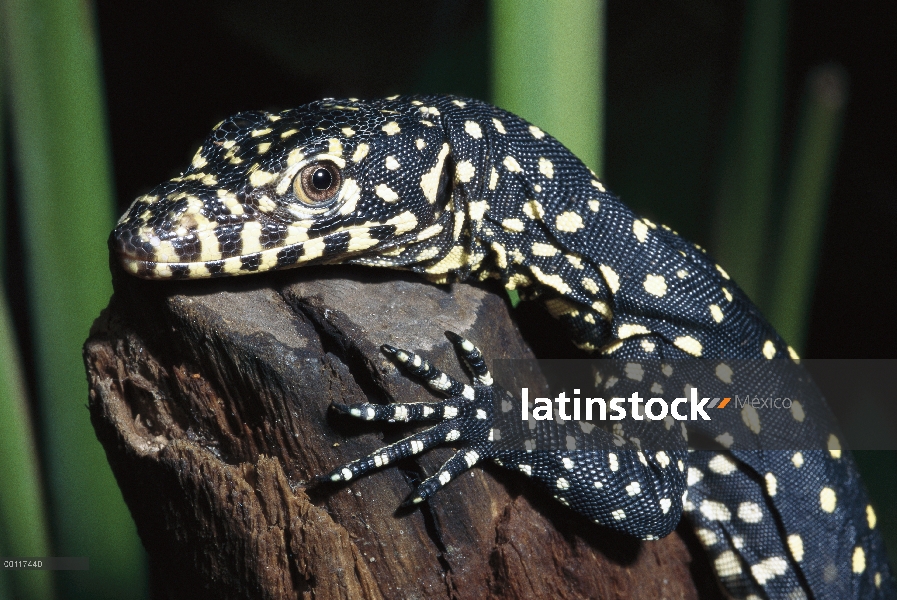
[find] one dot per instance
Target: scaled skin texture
(455, 188)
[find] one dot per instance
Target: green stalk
(750, 155)
(23, 525)
(548, 67)
(22, 521)
(66, 205)
(806, 202)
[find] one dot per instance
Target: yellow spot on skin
(727, 294)
(716, 312)
(295, 156)
(459, 103)
(517, 280)
(603, 309)
(568, 221)
(360, 152)
(590, 285)
(334, 147)
(797, 411)
(750, 512)
(688, 344)
(715, 511)
(751, 418)
(429, 181)
(264, 147)
(477, 209)
(540, 249)
(391, 128)
(391, 163)
(199, 161)
(348, 131)
(499, 127)
(834, 446)
(793, 355)
(772, 484)
(429, 232)
(313, 249)
(797, 460)
(297, 233)
(421, 144)
(870, 516)
(627, 330)
(640, 230)
(501, 255)
(558, 307)
(427, 253)
(546, 167)
(648, 346)
(722, 272)
(513, 225)
(796, 545)
(464, 171)
(553, 281)
(361, 240)
(656, 285)
(427, 123)
(403, 222)
(858, 563)
(260, 178)
(351, 193)
(769, 349)
(727, 565)
(473, 129)
(611, 278)
(260, 132)
(612, 347)
(458, 221)
(724, 373)
(681, 273)
(707, 537)
(828, 501)
(533, 209)
(250, 236)
(454, 260)
(598, 185)
(493, 179)
(518, 256)
(594, 205)
(511, 164)
(575, 261)
(537, 133)
(768, 568)
(386, 193)
(287, 133)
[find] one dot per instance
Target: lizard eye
(318, 183)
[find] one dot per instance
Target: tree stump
(211, 401)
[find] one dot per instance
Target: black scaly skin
(455, 188)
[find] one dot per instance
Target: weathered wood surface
(211, 401)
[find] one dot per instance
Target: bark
(211, 401)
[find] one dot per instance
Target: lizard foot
(465, 416)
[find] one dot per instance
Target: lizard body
(454, 189)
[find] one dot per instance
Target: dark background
(174, 69)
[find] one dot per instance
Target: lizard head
(331, 181)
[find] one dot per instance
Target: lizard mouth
(239, 251)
